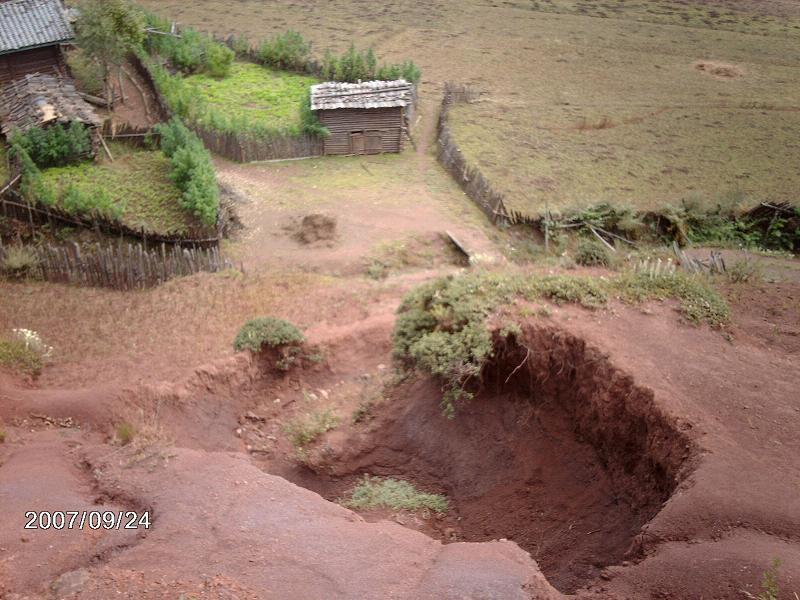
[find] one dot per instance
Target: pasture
(584, 102)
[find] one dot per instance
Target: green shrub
(217, 60)
(174, 135)
(54, 145)
(376, 492)
(288, 51)
(192, 170)
(20, 262)
(310, 120)
(591, 253)
(305, 429)
(89, 72)
(192, 52)
(270, 332)
(241, 45)
(355, 65)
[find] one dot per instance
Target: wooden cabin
(363, 118)
(31, 34)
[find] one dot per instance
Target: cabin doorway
(358, 143)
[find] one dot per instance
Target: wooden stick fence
(123, 266)
(469, 177)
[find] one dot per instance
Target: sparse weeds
(699, 301)
(415, 252)
(744, 271)
(20, 262)
(305, 429)
(770, 590)
(26, 353)
(377, 492)
(125, 433)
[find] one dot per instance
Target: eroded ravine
(559, 451)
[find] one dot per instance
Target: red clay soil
(634, 456)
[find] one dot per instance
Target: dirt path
(375, 200)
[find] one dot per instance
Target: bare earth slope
(224, 528)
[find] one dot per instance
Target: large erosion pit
(559, 451)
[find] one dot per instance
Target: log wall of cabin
(37, 60)
(344, 121)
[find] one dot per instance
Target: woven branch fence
(13, 206)
(122, 266)
(469, 177)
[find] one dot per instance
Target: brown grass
(102, 335)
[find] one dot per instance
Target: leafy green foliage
(270, 332)
(97, 201)
(376, 492)
(305, 429)
(192, 170)
(87, 70)
(309, 119)
(20, 262)
(362, 65)
(192, 52)
(287, 51)
(591, 253)
(107, 30)
(218, 60)
(137, 182)
(254, 101)
(441, 325)
(55, 145)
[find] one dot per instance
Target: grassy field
(583, 101)
(139, 181)
(255, 94)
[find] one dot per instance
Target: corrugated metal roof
(368, 94)
(40, 99)
(30, 23)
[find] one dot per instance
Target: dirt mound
(719, 70)
(315, 228)
(561, 453)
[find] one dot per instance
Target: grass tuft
(305, 429)
(376, 492)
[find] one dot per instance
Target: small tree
(107, 30)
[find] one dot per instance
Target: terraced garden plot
(253, 94)
(138, 180)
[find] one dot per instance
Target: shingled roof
(31, 23)
(369, 94)
(40, 99)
